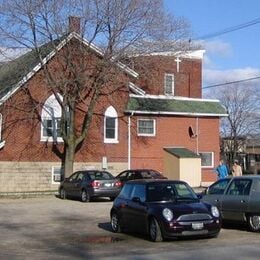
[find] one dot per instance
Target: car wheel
(63, 194)
(254, 223)
(85, 196)
(155, 231)
(115, 223)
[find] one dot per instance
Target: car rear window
(101, 176)
(150, 174)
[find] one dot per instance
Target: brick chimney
(74, 24)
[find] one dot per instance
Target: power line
(231, 82)
(229, 29)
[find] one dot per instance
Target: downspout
(197, 134)
(129, 141)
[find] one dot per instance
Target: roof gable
(15, 73)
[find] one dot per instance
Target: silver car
(89, 184)
(237, 198)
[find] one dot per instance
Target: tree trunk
(69, 160)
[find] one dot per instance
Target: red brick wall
(187, 80)
(173, 132)
(22, 127)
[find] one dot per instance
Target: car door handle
(242, 201)
(216, 200)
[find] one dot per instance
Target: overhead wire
(231, 82)
(224, 31)
(229, 29)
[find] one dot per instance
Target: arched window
(111, 126)
(51, 117)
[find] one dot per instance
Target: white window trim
(111, 112)
(165, 76)
(53, 173)
(154, 127)
(212, 162)
(2, 143)
(45, 116)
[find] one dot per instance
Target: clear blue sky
(231, 56)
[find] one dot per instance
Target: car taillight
(118, 184)
(95, 184)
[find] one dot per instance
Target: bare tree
(118, 27)
(242, 105)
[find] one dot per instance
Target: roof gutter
(175, 113)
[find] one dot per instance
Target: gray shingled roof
(177, 106)
(14, 71)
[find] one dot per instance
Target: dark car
(88, 184)
(163, 209)
(134, 174)
(237, 198)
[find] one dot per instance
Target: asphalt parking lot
(51, 228)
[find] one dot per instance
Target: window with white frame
(110, 126)
(146, 127)
(51, 118)
(169, 84)
(57, 174)
(207, 159)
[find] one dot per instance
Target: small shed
(182, 164)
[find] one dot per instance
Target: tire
(155, 231)
(115, 223)
(254, 223)
(63, 194)
(85, 196)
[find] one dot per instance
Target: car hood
(184, 207)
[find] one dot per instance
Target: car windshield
(100, 176)
(170, 192)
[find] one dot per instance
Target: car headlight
(167, 213)
(215, 211)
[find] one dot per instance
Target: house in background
(253, 154)
(131, 128)
(247, 152)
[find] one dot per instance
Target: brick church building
(153, 116)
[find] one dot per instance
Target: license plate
(197, 226)
(108, 184)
